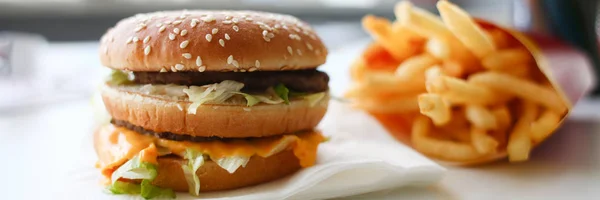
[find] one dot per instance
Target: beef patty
(309, 81)
(175, 136)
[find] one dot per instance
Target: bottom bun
(214, 178)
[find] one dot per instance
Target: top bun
(201, 40)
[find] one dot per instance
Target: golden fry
(438, 48)
(506, 59)
(442, 149)
(519, 141)
(481, 117)
(482, 142)
(500, 38)
(420, 21)
(390, 105)
(526, 89)
(453, 69)
(380, 29)
(465, 29)
(435, 107)
(414, 68)
(543, 127)
(458, 91)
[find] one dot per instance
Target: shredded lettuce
(118, 77)
(313, 99)
(232, 163)
(250, 100)
(218, 92)
(149, 191)
(195, 161)
(135, 169)
(283, 92)
(121, 187)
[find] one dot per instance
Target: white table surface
(38, 141)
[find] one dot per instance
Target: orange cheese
(116, 145)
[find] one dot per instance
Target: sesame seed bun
(211, 41)
(161, 113)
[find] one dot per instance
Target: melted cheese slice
(116, 145)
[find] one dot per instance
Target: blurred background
(48, 48)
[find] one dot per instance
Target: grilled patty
(309, 81)
(175, 136)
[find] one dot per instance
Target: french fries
(435, 107)
(471, 92)
(465, 29)
(481, 118)
(521, 87)
(519, 142)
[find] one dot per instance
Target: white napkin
(360, 157)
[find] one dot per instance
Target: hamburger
(209, 100)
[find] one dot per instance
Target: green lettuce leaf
(283, 93)
(135, 169)
(313, 99)
(121, 187)
(118, 77)
(149, 191)
(214, 93)
(232, 163)
(195, 161)
(250, 100)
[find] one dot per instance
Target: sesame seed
(146, 39)
(208, 19)
(187, 55)
(313, 37)
(230, 59)
(198, 61)
(235, 63)
(236, 28)
(227, 17)
(163, 70)
(299, 51)
(129, 40)
(227, 36)
(235, 20)
(147, 50)
(179, 107)
(309, 46)
(285, 27)
(226, 22)
(290, 50)
(137, 29)
(167, 22)
(183, 16)
(296, 29)
(162, 29)
(267, 39)
(257, 63)
(135, 39)
(222, 42)
(215, 31)
(179, 66)
(248, 18)
(159, 25)
(176, 22)
(184, 44)
(176, 30)
(265, 27)
(201, 68)
(265, 32)
(247, 109)
(183, 32)
(276, 26)
(208, 37)
(270, 35)
(173, 69)
(171, 36)
(252, 69)
(194, 23)
(242, 70)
